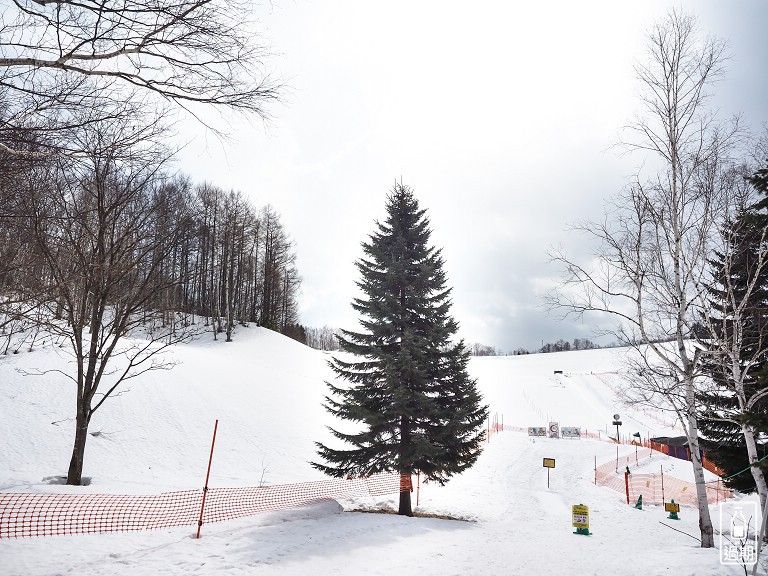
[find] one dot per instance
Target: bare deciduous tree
(322, 338)
(655, 241)
(96, 231)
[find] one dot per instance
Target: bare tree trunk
(705, 520)
(757, 472)
(75, 472)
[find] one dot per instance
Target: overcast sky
(500, 115)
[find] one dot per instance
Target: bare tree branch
(60, 57)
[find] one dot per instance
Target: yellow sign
(580, 516)
(671, 507)
(549, 462)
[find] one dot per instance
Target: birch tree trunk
(705, 520)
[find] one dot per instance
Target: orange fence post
(626, 484)
(207, 475)
(663, 500)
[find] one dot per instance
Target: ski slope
(267, 393)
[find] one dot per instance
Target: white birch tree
(656, 238)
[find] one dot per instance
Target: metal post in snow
(418, 487)
(207, 475)
(663, 500)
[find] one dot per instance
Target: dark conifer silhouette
(418, 409)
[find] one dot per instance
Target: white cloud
(500, 115)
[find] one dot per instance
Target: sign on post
(549, 463)
(554, 430)
(537, 431)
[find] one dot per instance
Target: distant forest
(325, 339)
(558, 346)
(79, 229)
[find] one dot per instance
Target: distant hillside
(267, 392)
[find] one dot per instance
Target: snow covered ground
(267, 393)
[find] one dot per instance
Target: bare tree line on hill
(100, 247)
(201, 251)
(99, 242)
(560, 345)
(321, 338)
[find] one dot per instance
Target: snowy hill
(267, 392)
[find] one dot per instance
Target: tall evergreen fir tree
(725, 416)
(416, 407)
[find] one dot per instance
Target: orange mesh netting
(34, 514)
(655, 488)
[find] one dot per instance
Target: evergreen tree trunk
(405, 473)
(405, 496)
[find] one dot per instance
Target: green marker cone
(639, 504)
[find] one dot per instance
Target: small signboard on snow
(549, 462)
(671, 507)
(554, 430)
(570, 432)
(537, 431)
(580, 515)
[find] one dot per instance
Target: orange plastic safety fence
(654, 488)
(712, 467)
(611, 474)
(34, 514)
